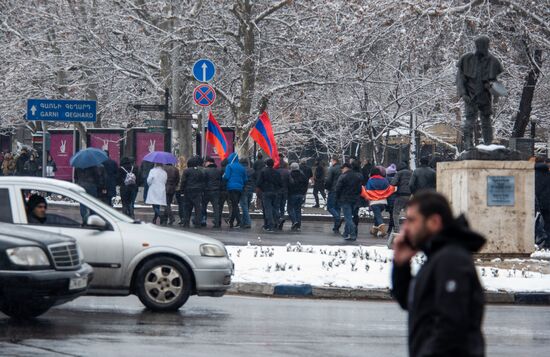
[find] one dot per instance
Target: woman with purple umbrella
(156, 195)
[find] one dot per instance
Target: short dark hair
(424, 160)
(269, 163)
(430, 203)
(375, 171)
(346, 165)
(209, 159)
(335, 158)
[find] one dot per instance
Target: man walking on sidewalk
(402, 194)
(269, 184)
(348, 189)
(297, 189)
(330, 184)
(445, 299)
(213, 177)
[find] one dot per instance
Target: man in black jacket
(401, 180)
(192, 186)
(297, 189)
(445, 300)
(269, 183)
(213, 176)
(423, 178)
(348, 190)
(330, 185)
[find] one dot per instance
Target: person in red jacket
(377, 190)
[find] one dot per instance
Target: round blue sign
(204, 70)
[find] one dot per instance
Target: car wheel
(22, 311)
(163, 284)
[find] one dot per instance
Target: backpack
(130, 178)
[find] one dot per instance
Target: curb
(315, 292)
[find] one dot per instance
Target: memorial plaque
(501, 191)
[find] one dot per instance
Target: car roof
(40, 180)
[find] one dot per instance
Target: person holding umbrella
(156, 180)
(88, 174)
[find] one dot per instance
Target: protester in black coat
(20, 163)
(445, 300)
(423, 178)
(297, 189)
(111, 171)
(306, 169)
(542, 197)
(401, 180)
(269, 183)
(192, 185)
(319, 182)
(348, 190)
(128, 180)
(213, 176)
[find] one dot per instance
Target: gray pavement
(245, 326)
(313, 233)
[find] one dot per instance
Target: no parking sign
(204, 95)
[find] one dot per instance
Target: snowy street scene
(274, 178)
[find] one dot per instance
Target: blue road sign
(204, 70)
(61, 110)
(204, 95)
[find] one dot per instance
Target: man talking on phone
(445, 298)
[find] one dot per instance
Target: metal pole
(74, 147)
(203, 136)
(44, 156)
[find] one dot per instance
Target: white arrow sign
(204, 67)
(33, 110)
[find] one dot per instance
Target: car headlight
(28, 256)
(212, 250)
(80, 254)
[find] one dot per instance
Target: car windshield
(113, 212)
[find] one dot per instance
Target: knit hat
(294, 166)
(390, 170)
(34, 201)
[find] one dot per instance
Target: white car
(162, 266)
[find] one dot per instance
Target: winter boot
(381, 230)
(374, 230)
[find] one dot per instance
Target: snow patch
(354, 267)
(492, 147)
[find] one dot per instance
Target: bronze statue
(475, 81)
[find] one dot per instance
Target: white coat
(157, 187)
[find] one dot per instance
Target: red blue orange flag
(216, 137)
(262, 133)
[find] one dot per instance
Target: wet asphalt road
(312, 233)
(247, 326)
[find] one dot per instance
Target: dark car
(39, 270)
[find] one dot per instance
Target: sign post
(204, 94)
(62, 110)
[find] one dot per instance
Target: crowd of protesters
(25, 163)
(280, 191)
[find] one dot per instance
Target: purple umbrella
(161, 157)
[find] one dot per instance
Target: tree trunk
(525, 104)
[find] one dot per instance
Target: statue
(476, 82)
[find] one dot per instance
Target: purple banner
(211, 150)
(61, 149)
(107, 141)
(146, 143)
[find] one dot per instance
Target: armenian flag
(262, 133)
(216, 137)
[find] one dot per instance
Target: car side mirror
(96, 222)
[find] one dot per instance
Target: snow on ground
(541, 254)
(492, 147)
(353, 267)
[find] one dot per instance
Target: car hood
(25, 234)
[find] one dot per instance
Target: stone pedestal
(497, 197)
